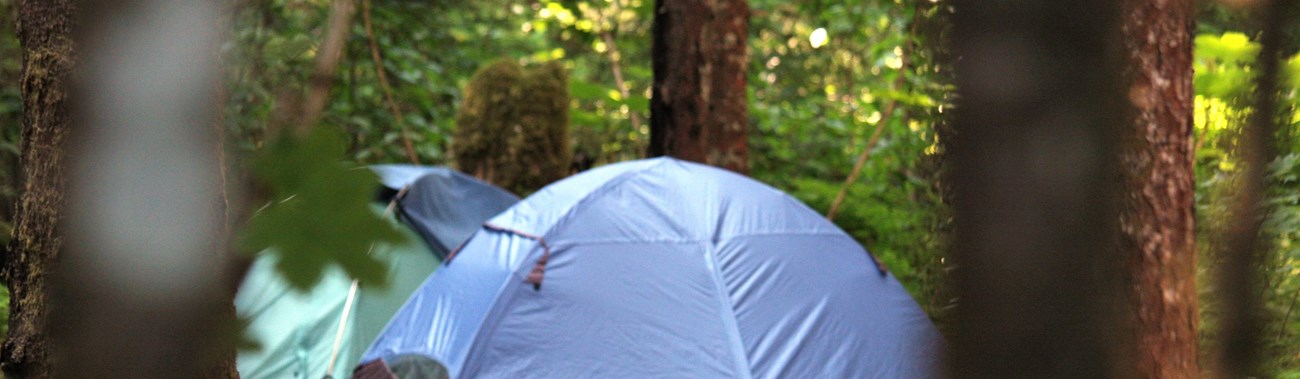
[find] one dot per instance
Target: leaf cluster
(321, 214)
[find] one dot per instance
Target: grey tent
(300, 333)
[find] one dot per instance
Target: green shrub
(512, 127)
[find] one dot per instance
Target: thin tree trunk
(388, 88)
(1243, 248)
(698, 108)
(1033, 165)
(44, 30)
(1157, 223)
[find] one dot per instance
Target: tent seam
(568, 215)
(564, 218)
(500, 302)
(739, 356)
(489, 316)
(558, 243)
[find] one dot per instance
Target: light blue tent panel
(663, 268)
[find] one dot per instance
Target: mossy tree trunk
(1157, 219)
(44, 30)
(38, 244)
(698, 108)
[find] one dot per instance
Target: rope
(539, 268)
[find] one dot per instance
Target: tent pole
(352, 295)
(338, 335)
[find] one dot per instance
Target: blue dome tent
(299, 332)
(658, 268)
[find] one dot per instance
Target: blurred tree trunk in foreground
(44, 29)
(1156, 221)
(136, 291)
(1036, 180)
(698, 105)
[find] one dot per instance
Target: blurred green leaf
(321, 215)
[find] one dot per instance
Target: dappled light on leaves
(818, 38)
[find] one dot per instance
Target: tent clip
(880, 266)
(539, 269)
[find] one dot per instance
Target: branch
(1281, 330)
(388, 90)
(327, 61)
(880, 126)
(612, 52)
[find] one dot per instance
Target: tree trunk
(698, 108)
(1037, 128)
(139, 288)
(48, 54)
(1157, 222)
(1244, 248)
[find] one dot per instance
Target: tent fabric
(437, 204)
(396, 176)
(296, 330)
(663, 268)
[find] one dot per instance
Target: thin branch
(383, 83)
(327, 61)
(619, 83)
(612, 51)
(1281, 329)
(880, 126)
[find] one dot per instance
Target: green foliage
(1282, 229)
(603, 120)
(11, 111)
(512, 128)
(4, 310)
(902, 238)
(815, 107)
(1222, 66)
(1224, 79)
(321, 213)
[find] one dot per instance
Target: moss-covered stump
(512, 128)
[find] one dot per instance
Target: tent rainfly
(658, 268)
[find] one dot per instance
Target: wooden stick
(327, 61)
(612, 51)
(880, 127)
(383, 83)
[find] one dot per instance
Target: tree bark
(1157, 221)
(698, 107)
(48, 53)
